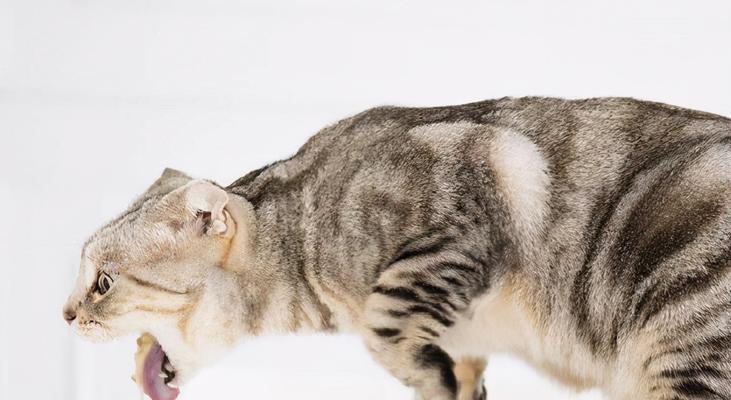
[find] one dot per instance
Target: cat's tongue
(150, 359)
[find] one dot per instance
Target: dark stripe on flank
(604, 210)
(710, 345)
(672, 291)
(701, 371)
(694, 387)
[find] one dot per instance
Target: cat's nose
(69, 315)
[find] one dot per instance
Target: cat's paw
(480, 393)
(476, 392)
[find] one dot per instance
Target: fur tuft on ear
(205, 197)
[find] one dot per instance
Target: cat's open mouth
(154, 372)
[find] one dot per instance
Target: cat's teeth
(167, 366)
(162, 375)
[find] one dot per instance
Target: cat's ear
(171, 173)
(170, 179)
(206, 200)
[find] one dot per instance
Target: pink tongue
(152, 383)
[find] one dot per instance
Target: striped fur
(591, 238)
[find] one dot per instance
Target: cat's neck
(277, 296)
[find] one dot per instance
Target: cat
(590, 238)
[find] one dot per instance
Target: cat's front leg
(469, 373)
(410, 307)
(470, 381)
(416, 362)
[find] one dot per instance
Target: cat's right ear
(203, 198)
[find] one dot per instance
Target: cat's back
(578, 138)
(575, 136)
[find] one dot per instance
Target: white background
(98, 96)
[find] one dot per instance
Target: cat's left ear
(207, 200)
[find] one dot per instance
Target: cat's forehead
(113, 242)
(129, 226)
(144, 236)
(104, 252)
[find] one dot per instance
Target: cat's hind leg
(691, 376)
(687, 337)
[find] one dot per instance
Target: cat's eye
(104, 283)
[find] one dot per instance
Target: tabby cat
(591, 238)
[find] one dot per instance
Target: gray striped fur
(598, 231)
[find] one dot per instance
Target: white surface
(98, 96)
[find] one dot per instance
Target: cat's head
(154, 269)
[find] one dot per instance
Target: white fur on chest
(497, 324)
